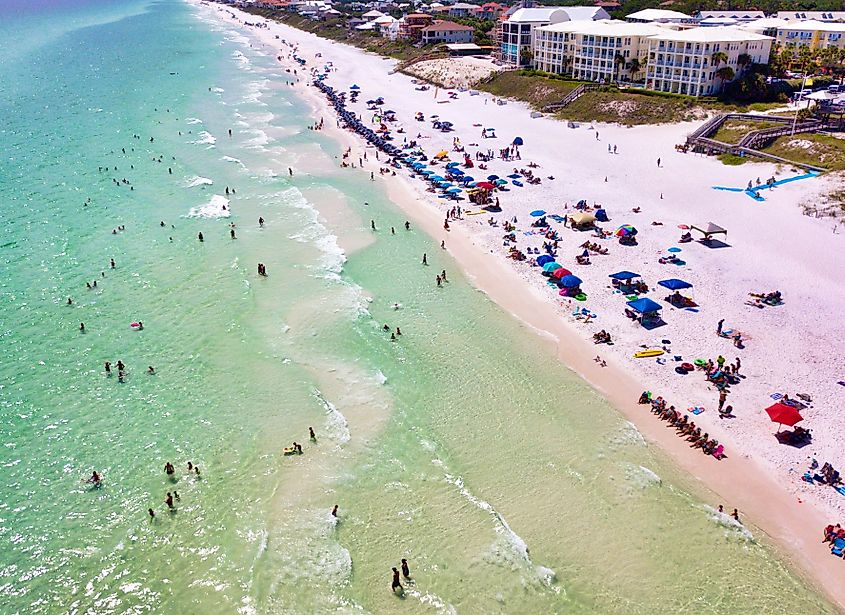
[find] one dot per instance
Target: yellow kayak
(644, 354)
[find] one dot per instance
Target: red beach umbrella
(783, 414)
(559, 273)
(485, 185)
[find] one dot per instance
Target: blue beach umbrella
(514, 176)
(492, 177)
(428, 172)
(518, 141)
(544, 259)
(500, 182)
(437, 178)
(453, 190)
(451, 164)
(456, 172)
(468, 178)
(570, 281)
(538, 212)
(354, 86)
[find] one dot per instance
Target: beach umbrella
(784, 415)
(452, 164)
(538, 212)
(562, 273)
(570, 281)
(514, 175)
(674, 284)
(471, 184)
(518, 141)
(441, 154)
(456, 172)
(500, 182)
(418, 165)
(453, 190)
(428, 172)
(545, 258)
(549, 267)
(492, 177)
(437, 178)
(354, 86)
(485, 185)
(467, 178)
(626, 230)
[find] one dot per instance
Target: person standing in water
(260, 222)
(82, 327)
(406, 572)
(200, 237)
(334, 511)
(311, 434)
(425, 259)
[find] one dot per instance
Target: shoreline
(793, 526)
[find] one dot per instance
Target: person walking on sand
(735, 515)
(443, 275)
(723, 396)
(396, 584)
(658, 163)
(373, 224)
(719, 326)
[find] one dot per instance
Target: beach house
(594, 50)
(692, 61)
(442, 31)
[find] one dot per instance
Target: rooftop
(710, 35)
(442, 26)
(540, 14)
(605, 27)
(813, 25)
(657, 15)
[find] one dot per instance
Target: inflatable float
(288, 450)
(136, 326)
(644, 354)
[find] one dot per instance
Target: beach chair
(719, 453)
(838, 547)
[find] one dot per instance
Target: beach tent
(644, 305)
(782, 414)
(583, 219)
(709, 229)
(601, 215)
(674, 284)
(570, 281)
(624, 275)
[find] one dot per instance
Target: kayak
(644, 354)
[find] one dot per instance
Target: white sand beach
(793, 348)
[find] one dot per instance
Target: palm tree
(618, 63)
(743, 61)
(634, 67)
(719, 57)
(725, 74)
(805, 59)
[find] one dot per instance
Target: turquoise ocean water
(508, 484)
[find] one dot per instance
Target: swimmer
(169, 501)
(398, 331)
(406, 571)
(111, 262)
(396, 306)
(334, 511)
(95, 478)
(200, 237)
(392, 231)
(232, 233)
(392, 337)
(120, 365)
(176, 495)
(261, 222)
(190, 467)
(161, 224)
(298, 448)
(120, 376)
(69, 301)
(151, 370)
(108, 368)
(88, 285)
(140, 326)
(151, 513)
(169, 469)
(386, 327)
(197, 470)
(82, 327)
(443, 275)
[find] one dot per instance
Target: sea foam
(196, 180)
(217, 207)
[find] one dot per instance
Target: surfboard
(643, 354)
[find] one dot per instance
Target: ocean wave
(337, 427)
(261, 138)
(205, 138)
(196, 180)
(733, 528)
(240, 58)
(640, 477)
(217, 90)
(217, 207)
(193, 120)
(509, 549)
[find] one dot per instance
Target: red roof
(442, 25)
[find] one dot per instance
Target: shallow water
(506, 482)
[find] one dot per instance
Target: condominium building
(827, 16)
(594, 51)
(515, 34)
(682, 61)
(812, 34)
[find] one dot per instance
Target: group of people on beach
(684, 426)
(173, 496)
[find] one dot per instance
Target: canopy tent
(644, 305)
(674, 284)
(784, 415)
(582, 219)
(624, 275)
(709, 229)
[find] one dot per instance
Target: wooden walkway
(571, 97)
(701, 139)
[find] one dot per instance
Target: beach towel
(697, 410)
(776, 396)
(841, 490)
